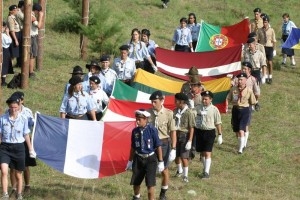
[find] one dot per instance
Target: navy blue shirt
(145, 140)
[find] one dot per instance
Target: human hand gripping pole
(172, 155)
(129, 165)
(161, 166)
(188, 145)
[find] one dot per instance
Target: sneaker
(162, 196)
(185, 179)
(5, 197)
(135, 198)
(205, 175)
(26, 190)
(240, 152)
(19, 197)
(178, 174)
(13, 193)
(32, 75)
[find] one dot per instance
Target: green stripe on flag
(206, 32)
(147, 89)
(124, 92)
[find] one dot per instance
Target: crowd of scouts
(161, 135)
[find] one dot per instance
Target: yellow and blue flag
(293, 41)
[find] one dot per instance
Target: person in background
(76, 104)
(287, 26)
(99, 97)
(162, 119)
(182, 38)
(107, 75)
(192, 74)
(150, 44)
(6, 64)
(144, 152)
(257, 22)
(37, 23)
(124, 66)
(94, 70)
(14, 131)
(241, 97)
(138, 51)
(185, 123)
(77, 71)
(165, 3)
(266, 37)
(195, 29)
(20, 14)
(258, 46)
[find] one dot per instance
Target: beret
(250, 40)
(192, 71)
(95, 79)
(207, 93)
(12, 7)
(266, 18)
(75, 80)
(93, 63)
(36, 7)
(257, 10)
(181, 96)
(247, 64)
(13, 99)
(19, 95)
(124, 47)
(252, 34)
(142, 112)
(104, 58)
(241, 75)
(156, 95)
(77, 70)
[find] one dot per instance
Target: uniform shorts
(34, 46)
(144, 168)
(182, 139)
(13, 154)
(183, 48)
(165, 148)
(29, 162)
(269, 53)
(205, 140)
(239, 118)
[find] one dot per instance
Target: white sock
(207, 165)
(203, 161)
(138, 195)
(293, 60)
(246, 138)
(185, 171)
(241, 143)
(164, 187)
(263, 80)
(270, 75)
(179, 168)
(284, 59)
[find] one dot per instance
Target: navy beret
(75, 80)
(181, 96)
(252, 34)
(124, 47)
(207, 93)
(12, 7)
(104, 58)
(37, 7)
(13, 99)
(250, 40)
(266, 18)
(18, 94)
(247, 64)
(241, 75)
(95, 79)
(257, 10)
(156, 95)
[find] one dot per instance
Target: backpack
(15, 82)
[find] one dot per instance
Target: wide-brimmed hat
(195, 80)
(77, 70)
(193, 71)
(93, 63)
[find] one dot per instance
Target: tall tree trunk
(84, 21)
(26, 43)
(41, 36)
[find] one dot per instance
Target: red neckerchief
(240, 93)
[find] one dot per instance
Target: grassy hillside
(269, 169)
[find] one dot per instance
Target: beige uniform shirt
(258, 46)
(266, 37)
(12, 23)
(163, 121)
(207, 117)
(184, 121)
(241, 98)
(20, 18)
(256, 24)
(257, 59)
(251, 83)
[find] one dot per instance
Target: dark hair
(183, 19)
(139, 32)
(146, 32)
(71, 91)
(20, 4)
(192, 14)
(285, 15)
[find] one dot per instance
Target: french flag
(82, 148)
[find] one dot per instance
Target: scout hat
(93, 63)
(77, 70)
(75, 80)
(95, 79)
(241, 75)
(181, 96)
(193, 71)
(156, 95)
(142, 113)
(195, 80)
(207, 93)
(247, 64)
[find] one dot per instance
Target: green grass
(269, 169)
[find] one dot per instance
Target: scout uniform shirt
(98, 96)
(241, 97)
(266, 37)
(182, 36)
(184, 119)
(256, 24)
(110, 77)
(13, 24)
(257, 59)
(125, 69)
(138, 51)
(163, 121)
(207, 117)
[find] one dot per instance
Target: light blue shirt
(27, 113)
(182, 36)
(110, 76)
(287, 27)
(98, 96)
(195, 29)
(86, 80)
(125, 69)
(151, 47)
(138, 51)
(13, 131)
(77, 104)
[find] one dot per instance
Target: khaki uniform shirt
(207, 117)
(12, 23)
(256, 24)
(20, 18)
(257, 59)
(241, 98)
(258, 46)
(186, 121)
(266, 37)
(186, 88)
(163, 121)
(251, 83)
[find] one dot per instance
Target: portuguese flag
(215, 37)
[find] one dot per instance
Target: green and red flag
(213, 37)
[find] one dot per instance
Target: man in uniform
(162, 119)
(186, 87)
(108, 74)
(144, 152)
(258, 46)
(185, 123)
(257, 22)
(241, 98)
(208, 119)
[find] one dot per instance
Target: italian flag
(213, 37)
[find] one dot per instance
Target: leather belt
(75, 116)
(165, 140)
(240, 107)
(145, 155)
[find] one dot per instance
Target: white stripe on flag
(111, 116)
(143, 97)
(84, 148)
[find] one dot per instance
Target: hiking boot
(27, 190)
(205, 175)
(185, 179)
(178, 174)
(135, 198)
(5, 197)
(162, 196)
